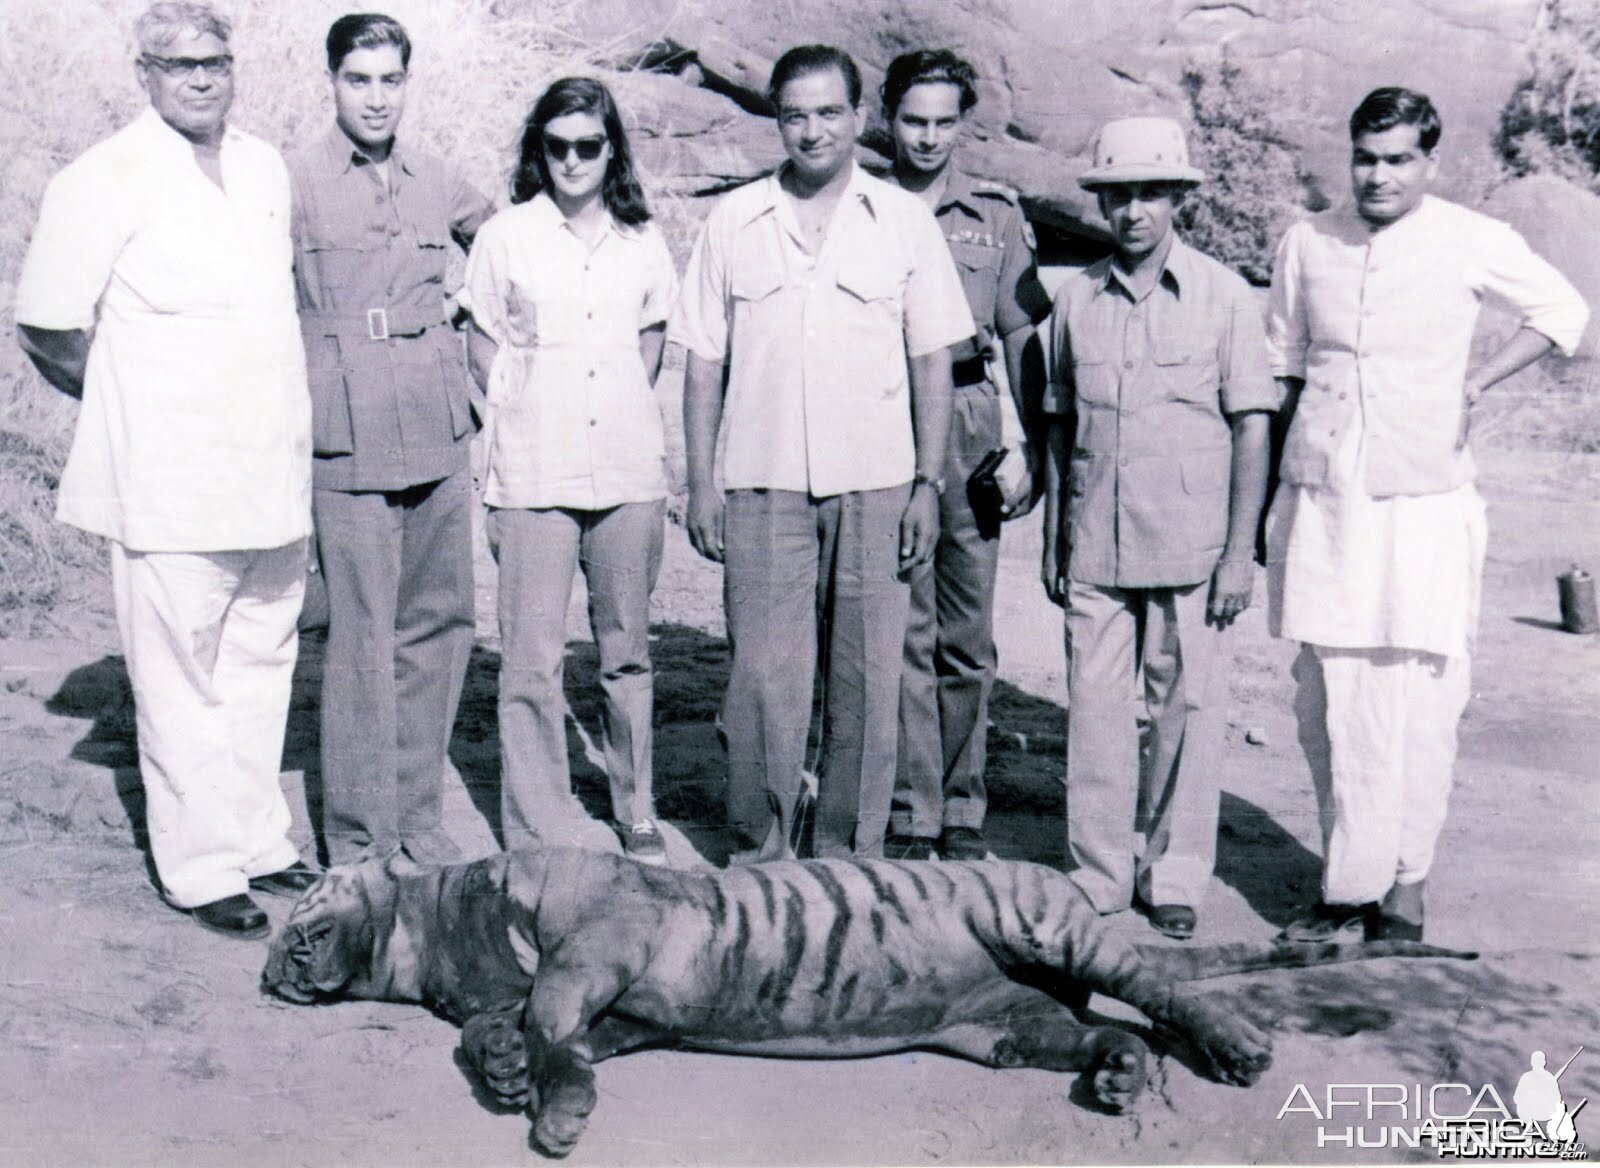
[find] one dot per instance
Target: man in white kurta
(1376, 539)
(157, 287)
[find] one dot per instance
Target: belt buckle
(378, 324)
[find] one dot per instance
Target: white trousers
(210, 644)
(1379, 730)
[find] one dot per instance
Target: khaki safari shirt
(391, 400)
(1151, 384)
(818, 395)
(993, 248)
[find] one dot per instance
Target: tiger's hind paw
(496, 1049)
(1237, 1049)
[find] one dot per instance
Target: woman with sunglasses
(569, 290)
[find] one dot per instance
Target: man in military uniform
(392, 419)
(949, 658)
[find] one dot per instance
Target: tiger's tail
(1250, 956)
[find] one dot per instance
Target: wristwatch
(936, 484)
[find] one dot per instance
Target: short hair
(166, 21)
(806, 59)
(366, 30)
(927, 67)
(1384, 109)
(620, 188)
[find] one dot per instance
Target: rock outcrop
(1055, 69)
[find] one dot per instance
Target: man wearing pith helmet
(1157, 442)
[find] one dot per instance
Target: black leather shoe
(1332, 922)
(232, 916)
(1172, 920)
(962, 843)
(290, 881)
(907, 847)
(1382, 926)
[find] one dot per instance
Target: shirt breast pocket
(871, 332)
(979, 267)
(431, 253)
(1095, 380)
(1186, 369)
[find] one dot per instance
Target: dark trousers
(949, 664)
(813, 582)
(398, 568)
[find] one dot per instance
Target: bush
(1551, 122)
(1255, 186)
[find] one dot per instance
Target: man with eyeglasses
(157, 289)
(392, 417)
(832, 299)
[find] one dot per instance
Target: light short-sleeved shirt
(1151, 383)
(818, 395)
(572, 418)
(1379, 324)
(195, 430)
(388, 412)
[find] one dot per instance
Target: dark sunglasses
(588, 148)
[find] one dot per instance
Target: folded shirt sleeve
(1510, 273)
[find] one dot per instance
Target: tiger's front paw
(563, 1115)
(1115, 1074)
(496, 1049)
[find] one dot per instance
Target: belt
(373, 324)
(968, 371)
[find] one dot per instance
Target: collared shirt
(194, 434)
(1151, 382)
(994, 252)
(818, 395)
(1379, 323)
(389, 413)
(573, 420)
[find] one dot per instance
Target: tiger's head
(328, 944)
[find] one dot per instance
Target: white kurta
(195, 432)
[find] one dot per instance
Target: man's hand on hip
(704, 521)
(919, 526)
(1231, 585)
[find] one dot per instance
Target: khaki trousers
(210, 644)
(949, 665)
(398, 569)
(1145, 812)
(1379, 730)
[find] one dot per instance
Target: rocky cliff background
(1264, 85)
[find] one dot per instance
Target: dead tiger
(555, 959)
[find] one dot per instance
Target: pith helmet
(1133, 150)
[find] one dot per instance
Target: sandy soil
(129, 1036)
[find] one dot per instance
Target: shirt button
(378, 199)
(591, 373)
(1122, 462)
(1127, 364)
(1343, 395)
(594, 421)
(588, 315)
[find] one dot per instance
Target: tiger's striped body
(555, 959)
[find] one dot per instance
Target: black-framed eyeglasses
(588, 148)
(219, 66)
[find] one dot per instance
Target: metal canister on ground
(1578, 612)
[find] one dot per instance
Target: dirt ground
(129, 1036)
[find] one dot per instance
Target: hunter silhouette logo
(1538, 1100)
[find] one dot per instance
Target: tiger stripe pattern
(554, 959)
